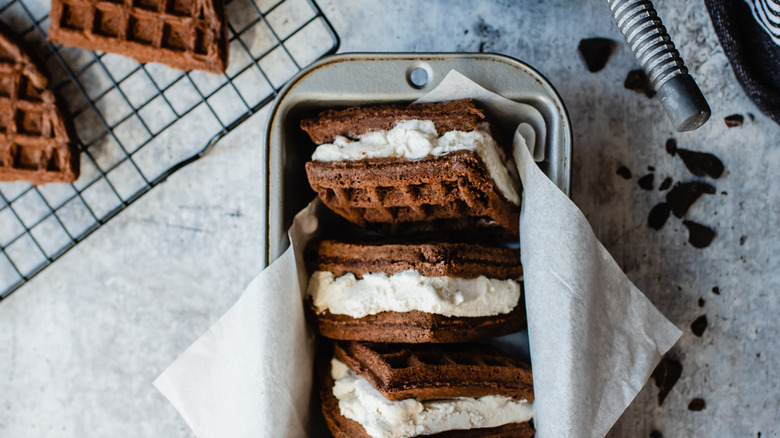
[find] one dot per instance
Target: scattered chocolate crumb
(665, 184)
(666, 375)
(751, 117)
(701, 163)
(646, 182)
(724, 193)
(758, 435)
(758, 355)
(701, 302)
(658, 216)
(650, 168)
(671, 146)
(742, 240)
(699, 325)
(716, 290)
(595, 52)
(624, 171)
(656, 434)
(636, 80)
(696, 404)
(699, 236)
(683, 195)
(734, 120)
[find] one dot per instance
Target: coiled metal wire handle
(653, 47)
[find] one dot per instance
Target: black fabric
(754, 57)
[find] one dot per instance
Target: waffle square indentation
(149, 5)
(140, 30)
(73, 18)
(174, 37)
(108, 22)
(29, 122)
(182, 8)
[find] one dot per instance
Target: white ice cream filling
(415, 139)
(361, 402)
(409, 290)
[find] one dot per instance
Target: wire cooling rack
(139, 123)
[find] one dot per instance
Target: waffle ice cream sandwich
(37, 138)
(413, 168)
(414, 293)
(183, 34)
(398, 391)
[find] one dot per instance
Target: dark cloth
(753, 55)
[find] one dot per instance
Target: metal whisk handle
(646, 35)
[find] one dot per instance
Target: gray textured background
(81, 343)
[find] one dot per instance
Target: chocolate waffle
(424, 372)
(183, 34)
(416, 327)
(437, 371)
(38, 138)
(431, 260)
(454, 115)
(436, 193)
(398, 196)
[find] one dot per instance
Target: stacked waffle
(401, 311)
(413, 169)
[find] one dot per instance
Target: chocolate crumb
(734, 120)
(701, 163)
(699, 325)
(699, 236)
(665, 184)
(624, 171)
(696, 404)
(650, 168)
(658, 216)
(724, 193)
(683, 195)
(646, 182)
(751, 116)
(636, 80)
(716, 290)
(701, 302)
(656, 434)
(742, 240)
(671, 146)
(595, 52)
(666, 375)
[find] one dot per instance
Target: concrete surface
(81, 343)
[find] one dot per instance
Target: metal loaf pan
(369, 78)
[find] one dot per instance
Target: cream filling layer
(415, 139)
(409, 290)
(381, 418)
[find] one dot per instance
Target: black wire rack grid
(139, 123)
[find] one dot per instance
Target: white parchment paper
(250, 375)
(594, 337)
